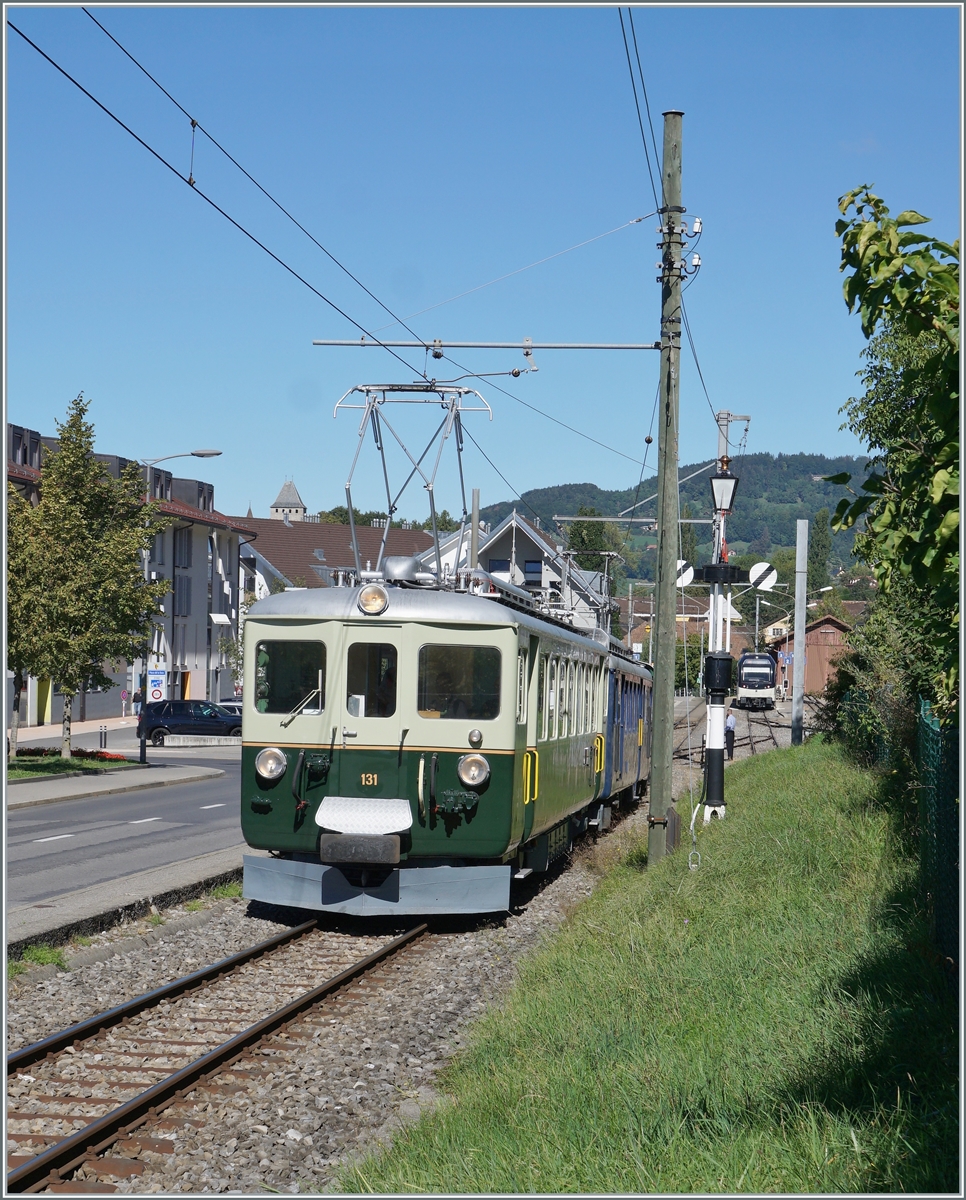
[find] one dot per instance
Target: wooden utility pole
(667, 484)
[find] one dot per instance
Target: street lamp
(147, 463)
(723, 488)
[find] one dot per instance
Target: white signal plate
(763, 576)
(685, 573)
(364, 814)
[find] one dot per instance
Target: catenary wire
(241, 228)
(694, 355)
(263, 190)
(500, 473)
(396, 319)
(647, 156)
(647, 107)
(520, 270)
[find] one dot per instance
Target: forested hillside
(774, 492)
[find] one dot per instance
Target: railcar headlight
(473, 770)
(373, 599)
(270, 763)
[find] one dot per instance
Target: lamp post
(718, 662)
(148, 463)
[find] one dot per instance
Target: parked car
(232, 706)
(187, 716)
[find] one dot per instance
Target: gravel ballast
(345, 1076)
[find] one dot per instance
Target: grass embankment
(772, 1022)
(50, 767)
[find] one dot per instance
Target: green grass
(772, 1022)
(226, 891)
(194, 906)
(32, 768)
(36, 956)
(156, 919)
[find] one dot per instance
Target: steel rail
(65, 1156)
(114, 1016)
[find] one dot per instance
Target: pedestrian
(730, 733)
(136, 700)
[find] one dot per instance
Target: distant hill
(774, 492)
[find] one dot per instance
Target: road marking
(55, 838)
(204, 806)
(144, 820)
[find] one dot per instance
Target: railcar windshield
(371, 679)
(459, 682)
(289, 675)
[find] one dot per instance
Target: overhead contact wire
(251, 178)
(627, 51)
(194, 187)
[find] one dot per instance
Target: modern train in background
(757, 677)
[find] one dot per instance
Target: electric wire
(694, 355)
(241, 228)
(396, 319)
(520, 270)
(627, 51)
(647, 107)
(197, 124)
(500, 473)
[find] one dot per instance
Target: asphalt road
(72, 844)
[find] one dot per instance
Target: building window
(156, 553)
(182, 546)
(182, 596)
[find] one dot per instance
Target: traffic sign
(157, 686)
(763, 576)
(685, 572)
(123, 693)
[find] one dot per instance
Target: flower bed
(54, 752)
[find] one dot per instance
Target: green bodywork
(461, 824)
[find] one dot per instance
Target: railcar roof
(422, 604)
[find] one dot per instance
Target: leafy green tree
(819, 549)
(905, 287)
(588, 541)
(87, 536)
(25, 596)
(444, 522)
(759, 546)
(689, 538)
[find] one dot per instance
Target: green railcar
(409, 749)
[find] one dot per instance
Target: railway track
(74, 1096)
(763, 720)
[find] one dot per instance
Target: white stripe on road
(144, 820)
(55, 838)
(204, 806)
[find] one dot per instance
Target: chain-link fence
(937, 765)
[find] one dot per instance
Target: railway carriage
(409, 748)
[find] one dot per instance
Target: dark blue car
(199, 717)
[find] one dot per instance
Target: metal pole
(667, 499)
(757, 611)
(475, 532)
(798, 662)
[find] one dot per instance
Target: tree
(905, 287)
(819, 549)
(86, 537)
(588, 541)
(689, 538)
(25, 590)
(760, 545)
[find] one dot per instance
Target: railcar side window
(289, 674)
(371, 680)
(552, 698)
(521, 686)
(459, 682)
(579, 713)
(541, 699)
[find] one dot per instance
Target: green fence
(937, 764)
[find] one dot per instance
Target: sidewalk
(48, 791)
(92, 909)
(44, 733)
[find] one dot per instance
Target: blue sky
(431, 149)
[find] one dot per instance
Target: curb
(131, 766)
(209, 773)
(97, 923)
(135, 941)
